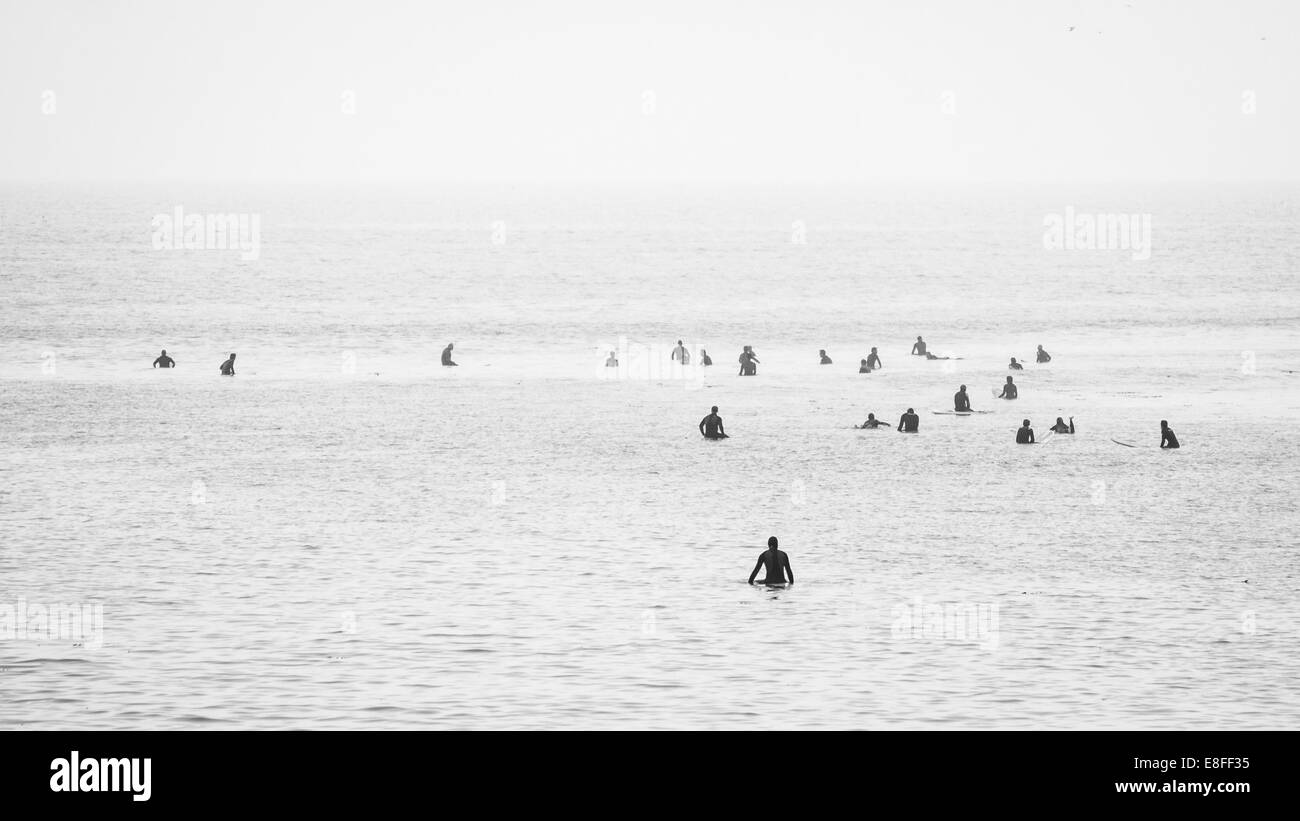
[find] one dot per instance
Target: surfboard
(1125, 444)
(952, 413)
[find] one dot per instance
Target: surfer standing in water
(1167, 439)
(228, 367)
(909, 422)
(164, 361)
(961, 402)
(1043, 356)
(446, 355)
(1025, 436)
(777, 563)
(1009, 390)
(711, 426)
(680, 354)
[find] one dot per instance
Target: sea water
(348, 535)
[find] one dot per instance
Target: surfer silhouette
(164, 361)
(777, 563)
(1025, 436)
(228, 367)
(711, 426)
(1167, 439)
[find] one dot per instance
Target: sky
(385, 91)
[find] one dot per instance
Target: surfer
(909, 422)
(1015, 366)
(446, 355)
(872, 422)
(680, 354)
(164, 361)
(873, 361)
(932, 356)
(748, 362)
(1025, 436)
(1009, 390)
(918, 347)
(1167, 439)
(778, 565)
(1043, 356)
(961, 402)
(228, 367)
(826, 360)
(711, 426)
(864, 367)
(1061, 427)
(612, 361)
(704, 358)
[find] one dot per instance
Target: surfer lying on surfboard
(872, 422)
(778, 565)
(960, 401)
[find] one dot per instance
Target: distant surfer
(612, 361)
(932, 356)
(1025, 436)
(680, 354)
(872, 422)
(164, 361)
(918, 347)
(1009, 390)
(1167, 439)
(711, 426)
(705, 360)
(873, 361)
(228, 367)
(1061, 427)
(777, 563)
(748, 362)
(961, 402)
(446, 355)
(909, 422)
(1043, 356)
(864, 368)
(826, 360)
(1015, 366)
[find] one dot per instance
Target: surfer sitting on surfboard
(711, 426)
(1167, 439)
(1025, 436)
(918, 347)
(228, 367)
(1061, 427)
(826, 360)
(1009, 390)
(778, 565)
(872, 422)
(446, 355)
(961, 402)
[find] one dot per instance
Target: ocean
(347, 535)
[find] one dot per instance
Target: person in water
(711, 426)
(228, 367)
(864, 368)
(704, 358)
(1167, 439)
(932, 356)
(777, 563)
(1061, 427)
(908, 422)
(748, 362)
(612, 361)
(164, 361)
(680, 354)
(872, 422)
(1009, 390)
(1043, 356)
(1025, 436)
(446, 355)
(918, 347)
(1015, 366)
(960, 401)
(873, 361)
(826, 360)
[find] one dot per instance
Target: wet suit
(1025, 436)
(960, 401)
(164, 361)
(228, 367)
(908, 423)
(1044, 356)
(874, 423)
(446, 357)
(778, 567)
(826, 360)
(1167, 439)
(711, 427)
